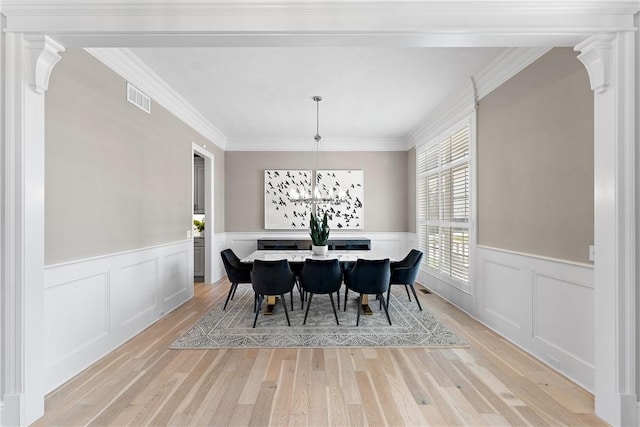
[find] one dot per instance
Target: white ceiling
(265, 93)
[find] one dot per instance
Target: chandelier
(316, 196)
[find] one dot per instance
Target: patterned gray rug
(232, 328)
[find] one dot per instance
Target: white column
(609, 59)
(28, 64)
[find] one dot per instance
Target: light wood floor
(490, 383)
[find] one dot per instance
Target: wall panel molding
(520, 296)
(554, 308)
(121, 295)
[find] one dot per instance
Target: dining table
(345, 257)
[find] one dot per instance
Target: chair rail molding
(28, 62)
(610, 63)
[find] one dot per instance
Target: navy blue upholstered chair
(272, 278)
(237, 272)
(321, 277)
(405, 273)
(369, 277)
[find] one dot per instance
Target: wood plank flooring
(143, 383)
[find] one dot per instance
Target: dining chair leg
(407, 289)
(284, 304)
(388, 295)
(338, 296)
(291, 294)
(346, 292)
(258, 306)
(235, 288)
(334, 307)
(231, 292)
(306, 313)
(385, 309)
(359, 308)
(301, 292)
(416, 296)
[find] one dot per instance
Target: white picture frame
(349, 215)
(279, 212)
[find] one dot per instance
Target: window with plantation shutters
(444, 204)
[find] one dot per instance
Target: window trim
(470, 121)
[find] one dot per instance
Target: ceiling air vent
(138, 98)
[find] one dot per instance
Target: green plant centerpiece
(319, 232)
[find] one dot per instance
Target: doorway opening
(203, 235)
(199, 218)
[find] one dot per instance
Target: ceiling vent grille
(138, 98)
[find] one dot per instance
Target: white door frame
(209, 177)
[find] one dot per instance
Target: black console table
(334, 244)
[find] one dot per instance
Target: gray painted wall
(535, 160)
(385, 184)
(116, 177)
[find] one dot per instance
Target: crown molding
(354, 22)
(464, 100)
(505, 66)
(327, 144)
(133, 69)
(461, 103)
(269, 7)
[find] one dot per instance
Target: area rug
(232, 328)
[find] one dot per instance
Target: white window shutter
(444, 204)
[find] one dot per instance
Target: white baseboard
(92, 306)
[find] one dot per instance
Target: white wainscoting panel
(544, 306)
(175, 267)
(68, 331)
(134, 295)
(456, 296)
(504, 298)
(94, 305)
(219, 244)
(575, 336)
